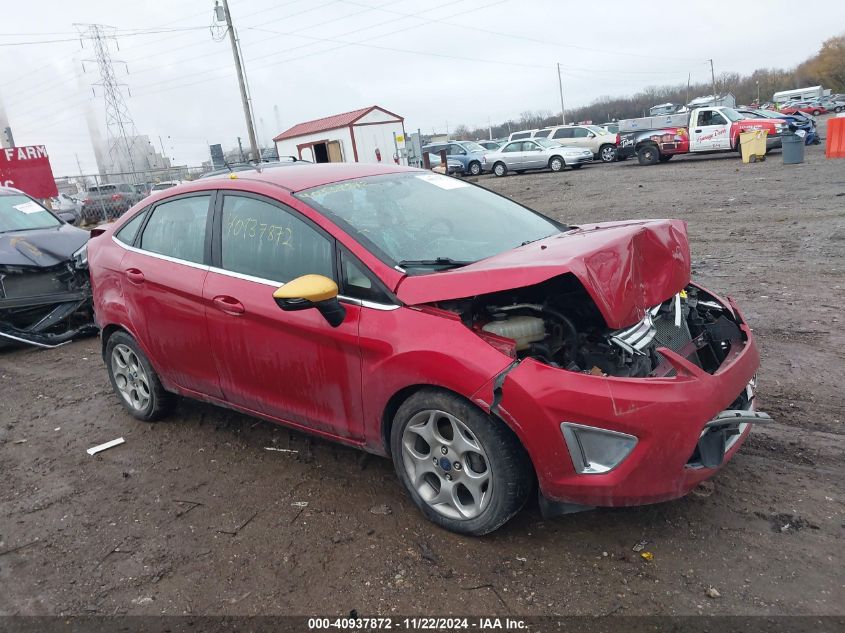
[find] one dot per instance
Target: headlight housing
(596, 451)
(80, 257)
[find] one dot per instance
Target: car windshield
(598, 130)
(423, 220)
(21, 213)
(544, 142)
(471, 146)
(732, 114)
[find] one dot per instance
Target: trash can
(753, 145)
(793, 149)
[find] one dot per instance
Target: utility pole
(241, 148)
(489, 129)
(560, 88)
(758, 93)
(689, 79)
(713, 77)
(250, 127)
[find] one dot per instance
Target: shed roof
(332, 122)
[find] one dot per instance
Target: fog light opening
(596, 451)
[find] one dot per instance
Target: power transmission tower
(120, 129)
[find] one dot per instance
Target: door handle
(134, 275)
(229, 305)
(698, 131)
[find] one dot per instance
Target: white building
(368, 135)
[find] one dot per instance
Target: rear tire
(466, 471)
(816, 112)
(500, 169)
(648, 155)
(607, 153)
(135, 381)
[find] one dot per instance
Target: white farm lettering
(30, 152)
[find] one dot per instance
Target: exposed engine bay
(558, 324)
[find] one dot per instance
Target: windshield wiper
(437, 261)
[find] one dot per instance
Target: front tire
(816, 112)
(466, 471)
(500, 169)
(134, 380)
(474, 168)
(607, 153)
(556, 163)
(648, 155)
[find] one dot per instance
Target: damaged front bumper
(45, 307)
(616, 441)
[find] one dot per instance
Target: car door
(710, 131)
(512, 155)
(163, 272)
(581, 137)
(533, 156)
(292, 366)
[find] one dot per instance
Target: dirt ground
(193, 515)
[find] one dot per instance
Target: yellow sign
(400, 138)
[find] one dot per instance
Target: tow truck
(657, 139)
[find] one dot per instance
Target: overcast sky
(436, 63)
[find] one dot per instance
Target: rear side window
(518, 135)
(563, 133)
(580, 132)
(263, 240)
(130, 229)
(177, 229)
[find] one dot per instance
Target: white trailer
(799, 94)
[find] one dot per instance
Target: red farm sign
(28, 169)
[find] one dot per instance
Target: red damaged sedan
(479, 344)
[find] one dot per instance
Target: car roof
(298, 177)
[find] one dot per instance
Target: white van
(515, 136)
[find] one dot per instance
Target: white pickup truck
(714, 129)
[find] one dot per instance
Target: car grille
(673, 337)
(31, 285)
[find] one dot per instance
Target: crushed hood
(41, 248)
(626, 267)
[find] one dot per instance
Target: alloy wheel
(131, 378)
(447, 465)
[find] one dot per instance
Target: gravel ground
(193, 516)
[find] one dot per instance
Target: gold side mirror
(311, 291)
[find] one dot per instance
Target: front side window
(264, 240)
(130, 229)
(422, 221)
(21, 213)
(456, 150)
(529, 146)
(177, 229)
(358, 282)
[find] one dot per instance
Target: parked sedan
(479, 344)
(468, 153)
(536, 153)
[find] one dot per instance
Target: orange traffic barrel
(835, 147)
